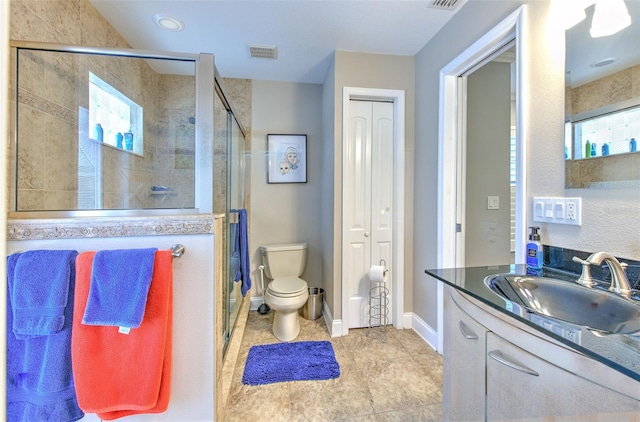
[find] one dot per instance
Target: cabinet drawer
(521, 385)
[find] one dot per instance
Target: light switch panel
(493, 202)
(558, 210)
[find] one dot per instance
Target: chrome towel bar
(177, 250)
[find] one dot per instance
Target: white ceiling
(306, 32)
(583, 51)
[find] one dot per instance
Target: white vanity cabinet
(464, 365)
(513, 371)
(522, 386)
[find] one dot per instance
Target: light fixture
(570, 11)
(603, 62)
(609, 17)
(168, 22)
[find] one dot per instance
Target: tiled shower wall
(611, 89)
(55, 84)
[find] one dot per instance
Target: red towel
(118, 374)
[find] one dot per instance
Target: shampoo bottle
(534, 250)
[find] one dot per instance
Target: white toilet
(286, 293)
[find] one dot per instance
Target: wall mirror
(99, 131)
(602, 105)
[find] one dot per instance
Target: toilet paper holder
(379, 300)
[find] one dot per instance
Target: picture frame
(286, 158)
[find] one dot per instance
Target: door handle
(366, 234)
(467, 332)
(497, 356)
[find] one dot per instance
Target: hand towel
(122, 374)
(245, 266)
(234, 265)
(120, 282)
(40, 287)
(39, 379)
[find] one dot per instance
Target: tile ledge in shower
(94, 227)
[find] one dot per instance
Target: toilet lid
(287, 286)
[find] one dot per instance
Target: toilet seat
(287, 287)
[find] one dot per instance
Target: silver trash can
(313, 308)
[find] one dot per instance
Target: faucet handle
(580, 261)
(585, 278)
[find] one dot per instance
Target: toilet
(286, 293)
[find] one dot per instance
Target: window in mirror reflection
(614, 133)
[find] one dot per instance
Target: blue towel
(40, 383)
(234, 264)
(245, 267)
(39, 291)
(120, 281)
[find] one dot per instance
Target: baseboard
(256, 302)
(424, 330)
(334, 326)
(407, 320)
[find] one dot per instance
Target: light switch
(559, 211)
(493, 202)
(548, 210)
(539, 209)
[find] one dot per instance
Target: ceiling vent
(263, 52)
(444, 4)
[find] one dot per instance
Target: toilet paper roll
(378, 273)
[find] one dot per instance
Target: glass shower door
(235, 202)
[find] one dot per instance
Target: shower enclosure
(118, 132)
(229, 162)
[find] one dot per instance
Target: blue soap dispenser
(534, 250)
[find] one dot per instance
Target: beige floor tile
(429, 413)
(264, 402)
(386, 375)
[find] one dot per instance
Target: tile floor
(389, 375)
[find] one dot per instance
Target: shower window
(114, 119)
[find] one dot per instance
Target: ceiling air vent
(263, 52)
(444, 4)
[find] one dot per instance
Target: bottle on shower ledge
(633, 145)
(594, 150)
(128, 141)
(98, 132)
(587, 149)
(605, 149)
(119, 139)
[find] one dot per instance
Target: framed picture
(287, 158)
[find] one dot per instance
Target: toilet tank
(284, 259)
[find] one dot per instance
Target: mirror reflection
(100, 132)
(602, 104)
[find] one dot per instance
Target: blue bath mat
(297, 361)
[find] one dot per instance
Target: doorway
(372, 201)
(488, 186)
(451, 144)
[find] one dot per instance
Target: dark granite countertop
(620, 352)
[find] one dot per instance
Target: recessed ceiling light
(603, 62)
(168, 22)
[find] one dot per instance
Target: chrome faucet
(619, 282)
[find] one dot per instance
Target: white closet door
(368, 202)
